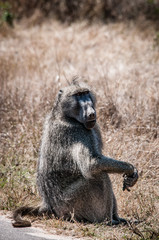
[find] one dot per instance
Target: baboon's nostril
(91, 116)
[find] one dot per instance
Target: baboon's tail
(22, 211)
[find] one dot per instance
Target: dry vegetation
(122, 65)
(73, 10)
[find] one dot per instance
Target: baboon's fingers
(129, 181)
(135, 175)
(125, 187)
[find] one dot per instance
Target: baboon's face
(82, 108)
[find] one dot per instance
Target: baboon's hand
(129, 181)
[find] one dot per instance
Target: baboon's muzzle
(90, 124)
(90, 118)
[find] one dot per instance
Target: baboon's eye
(81, 93)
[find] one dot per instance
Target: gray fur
(72, 173)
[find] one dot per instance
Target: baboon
(72, 173)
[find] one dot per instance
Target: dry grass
(73, 10)
(121, 64)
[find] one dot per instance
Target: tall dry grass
(72, 10)
(121, 64)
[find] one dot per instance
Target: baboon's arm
(111, 165)
(93, 164)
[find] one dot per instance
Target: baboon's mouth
(90, 124)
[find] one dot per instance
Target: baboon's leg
(108, 193)
(87, 200)
(115, 212)
(115, 209)
(92, 200)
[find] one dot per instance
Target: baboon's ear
(60, 92)
(59, 95)
(57, 100)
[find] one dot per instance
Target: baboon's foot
(117, 222)
(112, 223)
(122, 220)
